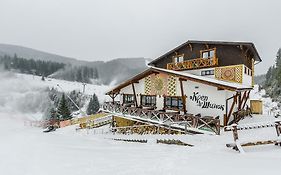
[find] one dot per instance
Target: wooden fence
(206, 123)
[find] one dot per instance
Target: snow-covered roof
(207, 79)
(184, 75)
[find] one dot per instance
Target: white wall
(247, 79)
(210, 95)
(198, 72)
(204, 99)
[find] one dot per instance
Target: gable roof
(186, 76)
(250, 45)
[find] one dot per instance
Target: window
(128, 98)
(247, 71)
(208, 53)
(148, 100)
(207, 72)
(178, 58)
(173, 103)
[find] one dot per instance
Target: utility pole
(82, 112)
(84, 84)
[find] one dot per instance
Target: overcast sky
(107, 29)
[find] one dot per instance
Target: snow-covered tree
(93, 105)
(63, 109)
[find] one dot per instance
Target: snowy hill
(7, 49)
(116, 70)
(25, 94)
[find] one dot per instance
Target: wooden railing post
(235, 132)
(185, 128)
(278, 128)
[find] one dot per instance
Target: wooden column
(242, 100)
(135, 95)
(278, 128)
(239, 100)
(246, 99)
(235, 132)
(112, 96)
(231, 108)
(183, 95)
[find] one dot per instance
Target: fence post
(235, 132)
(158, 129)
(169, 132)
(278, 128)
(185, 128)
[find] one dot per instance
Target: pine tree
(94, 105)
(63, 109)
(90, 107)
(53, 114)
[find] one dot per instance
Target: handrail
(192, 121)
(193, 64)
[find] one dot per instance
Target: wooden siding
(226, 54)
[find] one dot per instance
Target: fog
(18, 96)
(108, 29)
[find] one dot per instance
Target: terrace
(193, 123)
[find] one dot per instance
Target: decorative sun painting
(230, 73)
(160, 84)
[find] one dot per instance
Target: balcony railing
(192, 121)
(193, 64)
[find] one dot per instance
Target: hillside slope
(29, 53)
(110, 72)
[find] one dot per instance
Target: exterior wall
(247, 78)
(226, 54)
(139, 88)
(204, 99)
(198, 72)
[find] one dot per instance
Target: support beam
(135, 96)
(231, 108)
(112, 96)
(183, 95)
(239, 100)
(243, 100)
(246, 99)
(190, 46)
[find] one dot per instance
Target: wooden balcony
(195, 123)
(193, 64)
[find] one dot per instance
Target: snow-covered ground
(29, 151)
(26, 150)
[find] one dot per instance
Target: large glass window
(173, 103)
(128, 98)
(148, 100)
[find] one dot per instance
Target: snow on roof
(207, 79)
(184, 75)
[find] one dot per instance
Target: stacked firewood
(152, 129)
(131, 140)
(172, 142)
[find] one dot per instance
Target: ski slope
(26, 150)
(26, 94)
